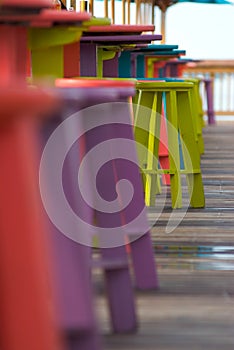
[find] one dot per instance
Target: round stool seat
(91, 83)
(163, 85)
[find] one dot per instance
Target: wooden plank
(193, 309)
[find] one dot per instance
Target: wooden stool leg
(210, 100)
(152, 178)
(173, 148)
(141, 245)
(141, 126)
(163, 149)
(196, 115)
(116, 267)
(141, 248)
(194, 176)
(200, 120)
(72, 260)
(145, 267)
(114, 260)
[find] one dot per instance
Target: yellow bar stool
(179, 102)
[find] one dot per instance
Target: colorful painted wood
(108, 46)
(179, 122)
(80, 95)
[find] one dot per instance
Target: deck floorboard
(194, 306)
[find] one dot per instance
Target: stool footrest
(110, 264)
(170, 172)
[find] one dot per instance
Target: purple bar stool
(176, 70)
(115, 126)
(75, 257)
(76, 318)
(210, 100)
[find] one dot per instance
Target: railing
(222, 74)
(129, 11)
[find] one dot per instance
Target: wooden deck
(194, 307)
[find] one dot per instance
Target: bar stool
(177, 68)
(26, 320)
(108, 121)
(53, 40)
(179, 122)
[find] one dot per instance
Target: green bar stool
(55, 47)
(198, 113)
(178, 97)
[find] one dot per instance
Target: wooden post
(163, 27)
(123, 11)
(113, 11)
(91, 7)
(129, 5)
(105, 8)
(152, 11)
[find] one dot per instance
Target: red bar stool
(27, 304)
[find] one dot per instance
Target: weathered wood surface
(194, 307)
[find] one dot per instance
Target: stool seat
(90, 83)
(163, 85)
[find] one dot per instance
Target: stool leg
(88, 68)
(73, 277)
(194, 177)
(141, 248)
(144, 263)
(72, 267)
(117, 278)
(194, 95)
(210, 101)
(113, 256)
(52, 66)
(201, 114)
(163, 149)
(152, 179)
(173, 148)
(141, 134)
